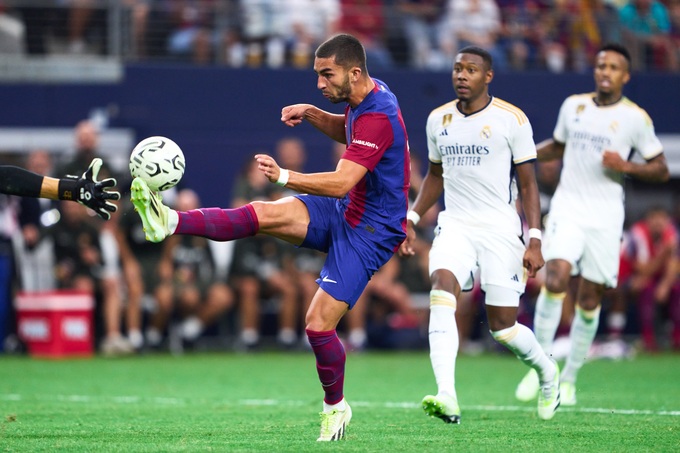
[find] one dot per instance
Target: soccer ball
(158, 161)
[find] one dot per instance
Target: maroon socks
(330, 363)
(219, 224)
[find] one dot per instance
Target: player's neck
(362, 89)
(604, 99)
(473, 106)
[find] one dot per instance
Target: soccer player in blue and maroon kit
(356, 214)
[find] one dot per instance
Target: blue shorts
(351, 262)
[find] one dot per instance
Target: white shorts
(462, 250)
(592, 253)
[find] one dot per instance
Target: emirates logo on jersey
(485, 133)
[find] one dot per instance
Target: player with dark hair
(594, 136)
(356, 213)
(85, 190)
(480, 149)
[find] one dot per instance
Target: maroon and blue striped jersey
(377, 139)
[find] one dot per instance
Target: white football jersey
(587, 192)
(478, 153)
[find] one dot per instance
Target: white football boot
(444, 407)
(153, 213)
(549, 396)
(334, 424)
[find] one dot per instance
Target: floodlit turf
(269, 403)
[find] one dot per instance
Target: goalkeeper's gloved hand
(92, 193)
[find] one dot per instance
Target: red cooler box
(56, 324)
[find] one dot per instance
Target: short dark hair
(347, 50)
(618, 48)
(474, 50)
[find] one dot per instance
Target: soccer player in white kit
(594, 136)
(476, 145)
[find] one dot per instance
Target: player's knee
(556, 283)
(557, 276)
(443, 280)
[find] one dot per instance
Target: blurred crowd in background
(188, 293)
(522, 35)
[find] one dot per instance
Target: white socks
(173, 220)
(521, 340)
(341, 406)
(583, 330)
(547, 318)
(443, 336)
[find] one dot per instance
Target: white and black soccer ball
(158, 161)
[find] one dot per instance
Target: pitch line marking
(174, 401)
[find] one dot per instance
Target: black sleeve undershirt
(18, 181)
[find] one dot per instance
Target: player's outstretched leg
(153, 213)
(443, 407)
(549, 395)
(334, 424)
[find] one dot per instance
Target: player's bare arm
(654, 170)
(430, 191)
(531, 206)
(549, 150)
(334, 184)
(331, 124)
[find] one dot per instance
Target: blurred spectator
(188, 281)
(139, 260)
(38, 21)
(262, 29)
(86, 260)
(390, 301)
(81, 15)
(12, 32)
(123, 226)
(654, 280)
(365, 19)
(140, 11)
(607, 17)
(583, 34)
(429, 34)
(521, 33)
(646, 32)
(306, 264)
(35, 251)
(618, 298)
(86, 148)
(192, 36)
(478, 23)
(674, 13)
(309, 23)
(9, 226)
(261, 269)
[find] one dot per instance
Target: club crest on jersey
(614, 126)
(485, 133)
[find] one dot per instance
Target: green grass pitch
(268, 402)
